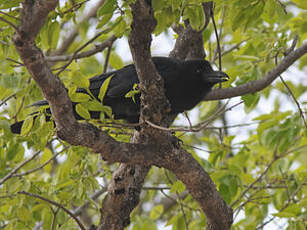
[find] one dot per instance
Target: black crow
(186, 83)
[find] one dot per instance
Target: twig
(283, 6)
(179, 201)
(8, 98)
(11, 16)
(39, 167)
(55, 204)
(75, 7)
(286, 85)
(183, 212)
(232, 126)
(229, 50)
(275, 158)
(258, 85)
(119, 125)
(72, 34)
(285, 206)
(78, 210)
(54, 212)
(10, 24)
(217, 42)
(189, 121)
(8, 176)
(155, 188)
(296, 102)
(20, 107)
(78, 50)
(98, 48)
(199, 126)
(106, 63)
(200, 149)
(248, 199)
(293, 45)
(17, 62)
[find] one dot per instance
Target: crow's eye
(198, 71)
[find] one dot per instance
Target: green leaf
(108, 7)
(6, 4)
(135, 90)
(80, 97)
(80, 80)
(115, 61)
(104, 88)
(83, 112)
(54, 34)
(250, 101)
(107, 110)
(301, 3)
(178, 186)
(158, 5)
(93, 105)
(27, 125)
(23, 214)
(269, 11)
(47, 154)
(156, 212)
(120, 28)
(13, 150)
(225, 193)
(196, 16)
(104, 20)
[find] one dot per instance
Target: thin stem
(8, 176)
(55, 204)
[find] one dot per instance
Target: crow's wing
(170, 69)
(124, 79)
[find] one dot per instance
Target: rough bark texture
(123, 196)
(150, 146)
(189, 44)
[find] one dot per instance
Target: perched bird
(186, 83)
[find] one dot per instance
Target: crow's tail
(16, 127)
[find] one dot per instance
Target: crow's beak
(216, 77)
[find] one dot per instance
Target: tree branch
(11, 174)
(258, 85)
(98, 48)
(68, 40)
(55, 204)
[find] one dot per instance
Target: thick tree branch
(189, 43)
(200, 186)
(258, 85)
(153, 100)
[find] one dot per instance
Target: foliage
(262, 175)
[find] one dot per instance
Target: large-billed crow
(186, 83)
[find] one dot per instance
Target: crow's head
(202, 68)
